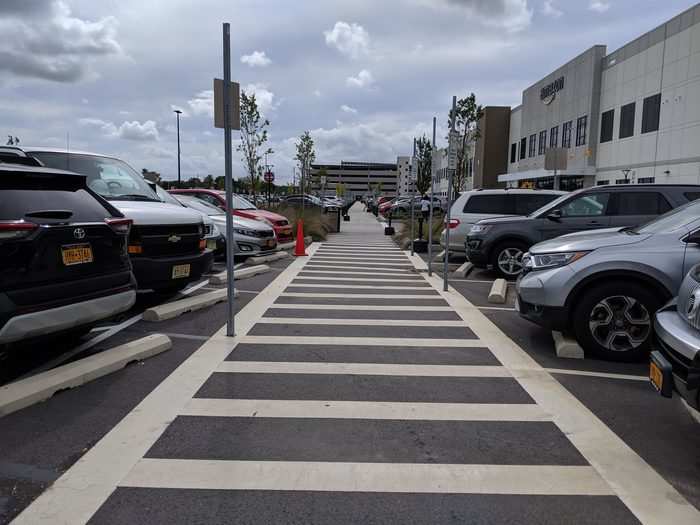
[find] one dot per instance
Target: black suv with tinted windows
(500, 243)
(63, 253)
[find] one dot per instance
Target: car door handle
(593, 223)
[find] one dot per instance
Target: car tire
(506, 258)
(624, 308)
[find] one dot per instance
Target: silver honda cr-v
(604, 286)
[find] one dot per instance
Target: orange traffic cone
(300, 249)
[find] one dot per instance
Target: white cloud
(364, 79)
(599, 6)
(128, 130)
(347, 109)
(351, 40)
(317, 92)
(256, 59)
(42, 39)
(511, 15)
(550, 10)
(264, 97)
(202, 103)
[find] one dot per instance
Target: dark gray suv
(500, 243)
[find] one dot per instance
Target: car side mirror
(693, 238)
(554, 215)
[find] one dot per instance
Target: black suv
(63, 253)
(500, 243)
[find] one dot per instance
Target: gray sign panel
(235, 104)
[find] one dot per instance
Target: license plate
(181, 270)
(76, 254)
(656, 376)
(211, 244)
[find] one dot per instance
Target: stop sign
(269, 176)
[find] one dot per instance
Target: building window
(646, 180)
(554, 137)
(523, 145)
(542, 147)
(513, 152)
(602, 183)
(533, 145)
(622, 181)
(627, 121)
(581, 127)
(650, 113)
(566, 134)
(606, 126)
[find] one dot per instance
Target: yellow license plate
(76, 254)
(181, 270)
(211, 244)
(656, 377)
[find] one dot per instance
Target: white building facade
(629, 116)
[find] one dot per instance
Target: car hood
(269, 215)
(588, 240)
(154, 213)
(240, 222)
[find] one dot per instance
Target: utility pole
(451, 155)
(177, 113)
(414, 175)
(230, 306)
(432, 191)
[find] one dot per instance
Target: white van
(167, 247)
(476, 205)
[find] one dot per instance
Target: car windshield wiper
(133, 197)
(629, 230)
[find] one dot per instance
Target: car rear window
(16, 203)
(692, 195)
(490, 204)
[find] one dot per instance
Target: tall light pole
(179, 181)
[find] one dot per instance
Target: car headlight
(247, 233)
(479, 228)
(215, 232)
(544, 261)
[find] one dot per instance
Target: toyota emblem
(79, 233)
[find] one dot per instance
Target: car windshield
(551, 205)
(671, 221)
(199, 205)
(166, 197)
(239, 203)
(111, 178)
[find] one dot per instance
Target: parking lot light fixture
(178, 113)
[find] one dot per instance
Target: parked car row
(81, 232)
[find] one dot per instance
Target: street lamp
(179, 181)
(626, 173)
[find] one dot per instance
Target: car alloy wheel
(510, 261)
(620, 323)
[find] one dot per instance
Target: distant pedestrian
(425, 206)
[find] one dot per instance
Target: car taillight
(453, 223)
(119, 225)
(10, 230)
(202, 244)
(135, 249)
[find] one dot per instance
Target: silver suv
(605, 285)
(474, 206)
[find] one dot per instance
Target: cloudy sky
(364, 76)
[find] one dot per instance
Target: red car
(243, 208)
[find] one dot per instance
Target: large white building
(629, 116)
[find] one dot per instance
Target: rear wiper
(50, 214)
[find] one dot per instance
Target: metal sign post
(451, 166)
(414, 175)
(226, 105)
(432, 192)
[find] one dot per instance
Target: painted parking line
(356, 286)
(319, 295)
(363, 307)
(362, 341)
(360, 322)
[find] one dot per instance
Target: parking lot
(352, 359)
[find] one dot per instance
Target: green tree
(208, 181)
(424, 160)
(220, 182)
(305, 156)
(253, 138)
(469, 114)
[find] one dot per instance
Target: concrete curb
(417, 262)
(440, 256)
(464, 270)
(241, 273)
(40, 387)
(308, 240)
(499, 291)
(566, 347)
(266, 258)
(190, 304)
(286, 246)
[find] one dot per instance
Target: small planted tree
(253, 138)
(424, 157)
(467, 125)
(305, 156)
